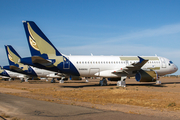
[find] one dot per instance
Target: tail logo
(11, 55)
(1, 70)
(33, 43)
(39, 43)
(10, 58)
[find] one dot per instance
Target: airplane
(115, 68)
(4, 78)
(10, 75)
(26, 70)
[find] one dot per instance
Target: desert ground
(144, 98)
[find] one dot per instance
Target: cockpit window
(170, 62)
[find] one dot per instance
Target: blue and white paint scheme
(46, 56)
(9, 74)
(27, 71)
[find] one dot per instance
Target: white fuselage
(39, 72)
(45, 73)
(15, 75)
(103, 66)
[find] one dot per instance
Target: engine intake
(146, 76)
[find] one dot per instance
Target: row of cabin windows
(112, 62)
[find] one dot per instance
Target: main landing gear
(26, 79)
(62, 80)
(122, 82)
(53, 80)
(9, 79)
(158, 82)
(86, 79)
(103, 82)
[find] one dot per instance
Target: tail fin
(15, 66)
(3, 72)
(12, 55)
(39, 44)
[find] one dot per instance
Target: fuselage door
(66, 63)
(29, 70)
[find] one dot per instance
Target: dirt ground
(137, 98)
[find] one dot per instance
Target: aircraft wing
(133, 67)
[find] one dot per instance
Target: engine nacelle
(146, 76)
(75, 78)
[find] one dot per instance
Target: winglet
(141, 59)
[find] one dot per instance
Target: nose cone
(175, 68)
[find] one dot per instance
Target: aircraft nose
(175, 68)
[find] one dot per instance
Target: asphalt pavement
(30, 109)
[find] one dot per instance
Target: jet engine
(146, 76)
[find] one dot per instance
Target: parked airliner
(11, 75)
(46, 56)
(27, 71)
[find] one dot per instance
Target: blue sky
(101, 27)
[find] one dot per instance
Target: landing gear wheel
(158, 82)
(61, 81)
(26, 80)
(122, 82)
(53, 81)
(103, 82)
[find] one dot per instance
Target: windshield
(171, 62)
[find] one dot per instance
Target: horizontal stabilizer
(42, 61)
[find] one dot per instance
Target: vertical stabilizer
(12, 55)
(39, 44)
(13, 58)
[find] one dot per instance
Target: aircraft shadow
(75, 82)
(171, 83)
(147, 85)
(81, 86)
(111, 84)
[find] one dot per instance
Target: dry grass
(113, 95)
(4, 115)
(15, 118)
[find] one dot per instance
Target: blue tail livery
(44, 54)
